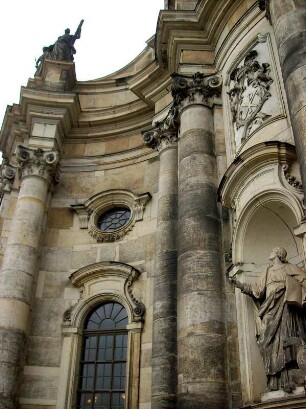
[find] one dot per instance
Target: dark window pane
(86, 400)
(114, 219)
(102, 372)
(107, 324)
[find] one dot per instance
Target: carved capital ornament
(164, 133)
(37, 162)
(7, 176)
(196, 89)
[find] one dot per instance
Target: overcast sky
(113, 34)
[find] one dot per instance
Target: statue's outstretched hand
(236, 283)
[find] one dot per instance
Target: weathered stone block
(44, 351)
(60, 218)
(55, 259)
(83, 258)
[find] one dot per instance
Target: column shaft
(201, 329)
(18, 273)
(164, 378)
(289, 23)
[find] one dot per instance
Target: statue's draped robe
(63, 49)
(280, 315)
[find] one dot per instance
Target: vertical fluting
(16, 281)
(164, 347)
(164, 358)
(201, 329)
(288, 18)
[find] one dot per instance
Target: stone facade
(201, 139)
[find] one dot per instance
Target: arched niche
(262, 190)
(266, 223)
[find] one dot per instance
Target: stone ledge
(284, 403)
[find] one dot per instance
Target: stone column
(288, 18)
(19, 267)
(200, 315)
(164, 354)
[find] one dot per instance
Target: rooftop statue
(62, 50)
(280, 296)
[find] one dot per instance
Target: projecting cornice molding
(200, 28)
(251, 162)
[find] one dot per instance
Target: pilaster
(163, 137)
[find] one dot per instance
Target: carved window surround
(98, 283)
(93, 208)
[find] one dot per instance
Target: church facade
(130, 204)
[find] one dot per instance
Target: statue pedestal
(276, 395)
(54, 75)
(281, 400)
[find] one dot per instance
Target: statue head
(280, 253)
(67, 31)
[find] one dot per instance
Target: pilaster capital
(37, 162)
(165, 133)
(198, 89)
(264, 5)
(7, 176)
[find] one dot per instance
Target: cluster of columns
(196, 332)
(18, 273)
(189, 339)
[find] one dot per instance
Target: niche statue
(280, 296)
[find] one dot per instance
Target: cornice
(129, 125)
(60, 107)
(201, 28)
(13, 127)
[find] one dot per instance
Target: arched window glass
(103, 360)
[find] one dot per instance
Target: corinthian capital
(37, 162)
(164, 133)
(196, 89)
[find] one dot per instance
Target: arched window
(103, 360)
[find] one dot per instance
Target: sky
(113, 34)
